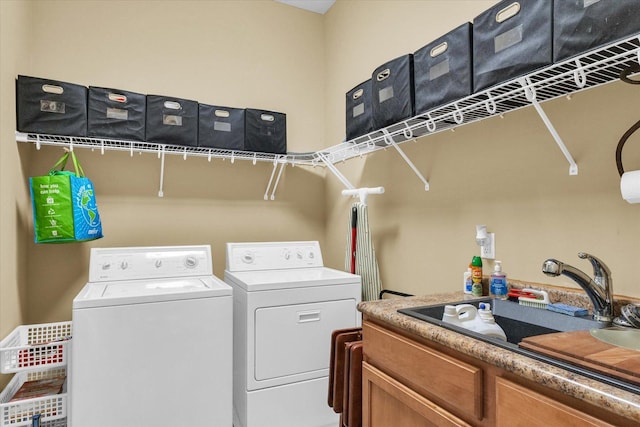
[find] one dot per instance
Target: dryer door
(295, 339)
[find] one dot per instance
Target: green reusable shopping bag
(64, 205)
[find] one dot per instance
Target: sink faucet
(599, 289)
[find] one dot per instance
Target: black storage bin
(392, 92)
(582, 25)
(442, 69)
(511, 39)
(50, 107)
(115, 113)
(359, 119)
(265, 131)
(172, 120)
(221, 127)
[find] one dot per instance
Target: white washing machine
(286, 304)
(152, 340)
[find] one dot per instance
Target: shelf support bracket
(275, 186)
(161, 155)
(530, 94)
(389, 140)
(343, 179)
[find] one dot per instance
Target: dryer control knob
(124, 265)
(158, 263)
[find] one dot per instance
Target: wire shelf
(104, 144)
(592, 69)
(586, 71)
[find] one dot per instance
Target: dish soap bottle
(498, 287)
(476, 276)
(467, 282)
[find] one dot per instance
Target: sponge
(567, 309)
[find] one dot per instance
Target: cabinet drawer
(437, 376)
(387, 402)
(517, 406)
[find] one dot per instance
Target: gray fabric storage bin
(582, 25)
(220, 127)
(443, 69)
(50, 107)
(359, 120)
(172, 121)
(507, 45)
(265, 131)
(392, 92)
(117, 114)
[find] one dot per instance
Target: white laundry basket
(33, 347)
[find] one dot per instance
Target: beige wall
(506, 173)
(14, 198)
(259, 54)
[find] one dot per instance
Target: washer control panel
(273, 255)
(115, 264)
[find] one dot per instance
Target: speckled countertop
(611, 398)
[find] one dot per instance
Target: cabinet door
(517, 406)
(389, 403)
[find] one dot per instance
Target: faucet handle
(601, 272)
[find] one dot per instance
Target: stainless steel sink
(517, 321)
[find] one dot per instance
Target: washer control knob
(190, 262)
(124, 265)
(247, 258)
(311, 255)
(158, 263)
(287, 254)
(299, 254)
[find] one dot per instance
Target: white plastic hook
(233, 157)
(102, 147)
(579, 76)
(431, 124)
(408, 132)
(458, 116)
(184, 154)
(490, 104)
(255, 159)
(70, 144)
(38, 142)
(209, 156)
(131, 149)
(529, 91)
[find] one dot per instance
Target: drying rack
(586, 71)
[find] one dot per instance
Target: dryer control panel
(155, 262)
(273, 255)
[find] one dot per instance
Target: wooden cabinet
(517, 406)
(387, 402)
(409, 381)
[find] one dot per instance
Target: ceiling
(317, 6)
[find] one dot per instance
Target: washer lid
(102, 294)
(293, 278)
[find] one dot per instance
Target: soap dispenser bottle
(498, 287)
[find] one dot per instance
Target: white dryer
(152, 340)
(286, 304)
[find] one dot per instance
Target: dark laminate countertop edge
(602, 395)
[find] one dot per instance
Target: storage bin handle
(221, 113)
(172, 105)
(57, 90)
(117, 97)
(383, 75)
(508, 12)
(357, 94)
(439, 49)
(267, 117)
